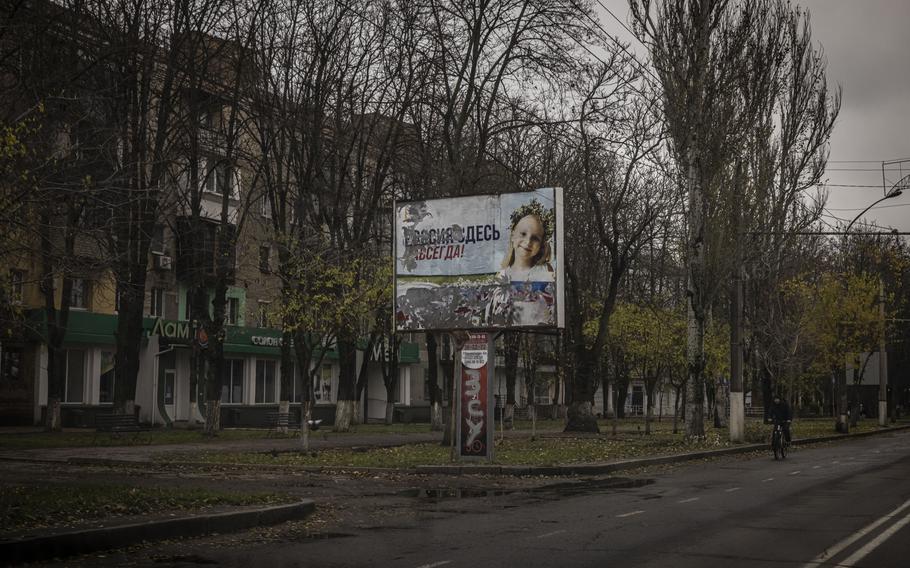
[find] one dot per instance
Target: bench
(119, 424)
(279, 421)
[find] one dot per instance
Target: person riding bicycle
(779, 413)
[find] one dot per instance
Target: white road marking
(835, 462)
(731, 490)
(875, 542)
(767, 480)
(837, 548)
(435, 564)
(554, 533)
(689, 500)
(624, 515)
(816, 466)
(797, 472)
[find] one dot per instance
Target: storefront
(250, 384)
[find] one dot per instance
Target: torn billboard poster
(481, 262)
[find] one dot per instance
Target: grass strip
(29, 507)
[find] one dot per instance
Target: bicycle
(779, 445)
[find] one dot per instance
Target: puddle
(567, 488)
(187, 558)
(586, 487)
(454, 493)
(325, 536)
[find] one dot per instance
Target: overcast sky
(867, 45)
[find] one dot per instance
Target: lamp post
(895, 191)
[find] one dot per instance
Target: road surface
(838, 504)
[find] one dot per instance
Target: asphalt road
(840, 504)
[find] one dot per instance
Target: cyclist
(779, 412)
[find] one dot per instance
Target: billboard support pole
(454, 429)
(459, 337)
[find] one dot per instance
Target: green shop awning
(81, 327)
(95, 328)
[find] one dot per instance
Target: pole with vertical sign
(475, 426)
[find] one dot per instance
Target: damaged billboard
(480, 262)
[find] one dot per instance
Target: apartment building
(209, 196)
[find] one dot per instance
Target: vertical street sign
(474, 431)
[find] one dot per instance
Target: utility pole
(896, 190)
(737, 404)
(882, 359)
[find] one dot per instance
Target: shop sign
(266, 341)
(179, 330)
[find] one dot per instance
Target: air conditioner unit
(162, 262)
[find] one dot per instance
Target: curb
(595, 469)
(91, 540)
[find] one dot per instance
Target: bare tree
(720, 67)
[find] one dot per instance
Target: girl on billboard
(527, 277)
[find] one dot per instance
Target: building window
(75, 375)
(170, 380)
(541, 392)
(16, 284)
(265, 382)
(266, 207)
(265, 254)
(324, 385)
(106, 380)
(156, 308)
(157, 244)
(79, 295)
(262, 315)
(118, 299)
(233, 311)
(10, 364)
(232, 382)
(217, 177)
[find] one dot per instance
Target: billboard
(480, 262)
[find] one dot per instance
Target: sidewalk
(140, 452)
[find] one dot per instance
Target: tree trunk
(284, 407)
(511, 340)
(357, 415)
(129, 344)
(389, 412)
(580, 417)
(52, 422)
(448, 372)
(56, 373)
(347, 365)
(214, 376)
(648, 415)
(436, 417)
(695, 387)
(842, 425)
(212, 417)
(305, 424)
(580, 414)
(720, 407)
(696, 302)
(287, 372)
(344, 415)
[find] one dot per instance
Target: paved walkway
(140, 452)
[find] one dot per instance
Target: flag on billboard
(481, 262)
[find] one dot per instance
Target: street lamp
(896, 190)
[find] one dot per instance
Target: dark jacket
(780, 412)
